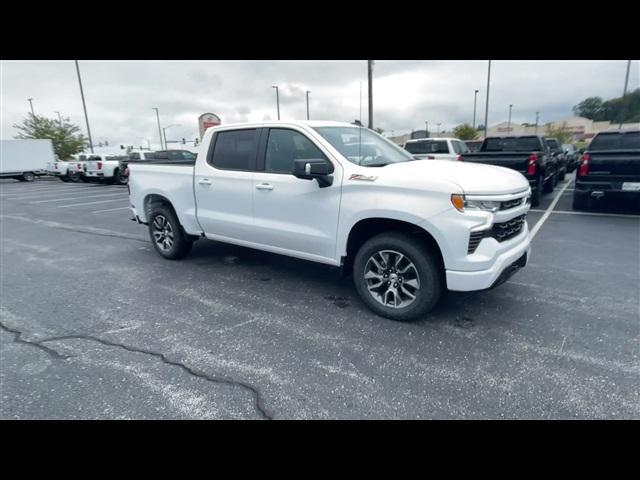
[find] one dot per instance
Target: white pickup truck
(437, 148)
(342, 195)
(105, 167)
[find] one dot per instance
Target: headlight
(461, 203)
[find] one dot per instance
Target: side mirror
(318, 169)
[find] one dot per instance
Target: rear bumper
(505, 265)
(93, 174)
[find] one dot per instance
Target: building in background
(581, 128)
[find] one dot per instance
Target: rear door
(223, 184)
(290, 213)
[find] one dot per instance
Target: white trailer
(25, 159)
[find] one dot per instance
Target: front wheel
(397, 276)
(167, 235)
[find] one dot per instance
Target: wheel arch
(367, 228)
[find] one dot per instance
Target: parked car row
(108, 168)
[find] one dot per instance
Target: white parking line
(77, 198)
(53, 191)
(110, 209)
(547, 212)
(92, 203)
(596, 214)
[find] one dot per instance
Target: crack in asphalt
(210, 378)
(16, 339)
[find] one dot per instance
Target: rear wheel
(63, 178)
(120, 177)
(167, 235)
(397, 276)
(84, 179)
(550, 183)
(74, 176)
(28, 177)
(537, 192)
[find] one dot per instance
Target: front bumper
(506, 264)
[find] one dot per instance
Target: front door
(290, 213)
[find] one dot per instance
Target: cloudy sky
(120, 94)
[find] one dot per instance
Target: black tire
(73, 177)
(562, 175)
(84, 179)
(550, 184)
(28, 177)
(428, 271)
(181, 242)
(63, 178)
(536, 194)
(120, 178)
(581, 201)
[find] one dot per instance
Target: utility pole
(159, 129)
(623, 110)
(277, 100)
(31, 103)
(509, 123)
(370, 75)
(537, 116)
(426, 129)
(84, 106)
(308, 92)
(475, 99)
(438, 131)
(486, 107)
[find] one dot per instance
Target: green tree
(561, 132)
(64, 135)
(465, 132)
(379, 130)
(590, 108)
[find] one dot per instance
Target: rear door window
(235, 150)
(427, 146)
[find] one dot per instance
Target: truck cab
(436, 148)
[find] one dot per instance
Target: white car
(437, 148)
(406, 229)
(105, 167)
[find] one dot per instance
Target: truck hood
(472, 178)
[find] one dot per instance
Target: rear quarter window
(235, 150)
(615, 141)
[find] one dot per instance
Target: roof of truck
(268, 123)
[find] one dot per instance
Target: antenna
(360, 102)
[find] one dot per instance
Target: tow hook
(597, 194)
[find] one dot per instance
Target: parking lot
(95, 324)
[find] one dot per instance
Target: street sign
(207, 120)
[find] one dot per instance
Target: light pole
(623, 110)
(475, 99)
(426, 129)
(308, 92)
(84, 107)
(159, 129)
(370, 75)
(486, 107)
(537, 116)
(164, 131)
(277, 100)
(59, 117)
(31, 103)
(509, 123)
(438, 129)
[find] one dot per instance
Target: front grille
(500, 231)
(511, 204)
(507, 230)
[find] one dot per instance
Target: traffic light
(121, 147)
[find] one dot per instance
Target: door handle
(264, 186)
(204, 181)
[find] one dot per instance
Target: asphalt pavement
(94, 324)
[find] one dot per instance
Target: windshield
(427, 146)
(363, 147)
(552, 144)
(511, 144)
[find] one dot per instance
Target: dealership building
(581, 128)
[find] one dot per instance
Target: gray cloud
(120, 94)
